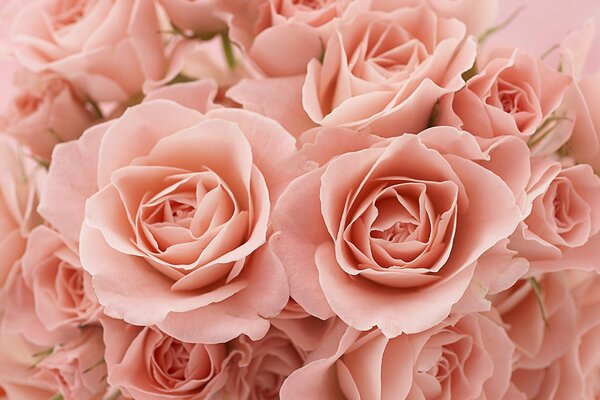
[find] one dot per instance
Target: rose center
(397, 233)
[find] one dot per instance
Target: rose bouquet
(295, 199)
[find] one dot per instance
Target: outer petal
(145, 297)
(72, 180)
(297, 217)
(264, 296)
(277, 98)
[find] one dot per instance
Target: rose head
(107, 48)
(380, 67)
(465, 359)
(175, 233)
(393, 244)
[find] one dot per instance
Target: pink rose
(107, 48)
(148, 364)
(280, 37)
(465, 359)
(512, 95)
(386, 70)
(179, 205)
(50, 299)
(45, 111)
(20, 181)
(564, 212)
(394, 245)
(200, 16)
(576, 374)
(77, 367)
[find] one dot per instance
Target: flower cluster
(295, 199)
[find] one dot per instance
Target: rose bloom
(147, 364)
(177, 215)
(467, 358)
(394, 245)
(358, 75)
(201, 16)
(511, 95)
(564, 214)
(576, 374)
(386, 70)
(20, 181)
(45, 111)
(107, 48)
(50, 297)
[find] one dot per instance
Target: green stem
(228, 50)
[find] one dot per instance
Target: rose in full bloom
(20, 181)
(394, 244)
(50, 298)
(469, 358)
(45, 111)
(564, 214)
(386, 70)
(107, 48)
(147, 364)
(176, 217)
(512, 95)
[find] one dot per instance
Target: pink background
(543, 23)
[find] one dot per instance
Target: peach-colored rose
(280, 37)
(511, 95)
(394, 245)
(181, 209)
(564, 212)
(20, 181)
(44, 112)
(18, 359)
(576, 374)
(465, 359)
(386, 70)
(201, 16)
(77, 367)
(147, 364)
(50, 298)
(107, 48)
